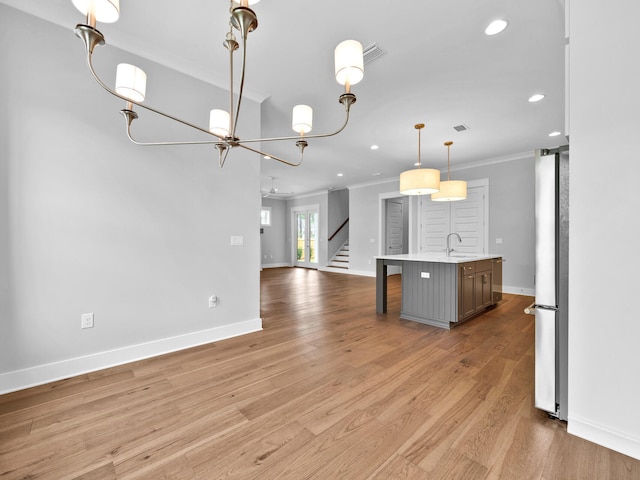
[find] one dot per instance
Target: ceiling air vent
(372, 52)
(461, 128)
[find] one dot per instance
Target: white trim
(492, 161)
(361, 273)
(382, 197)
(276, 265)
(310, 194)
(615, 440)
(531, 292)
(41, 374)
(374, 182)
(465, 166)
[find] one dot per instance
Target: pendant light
(450, 190)
(419, 181)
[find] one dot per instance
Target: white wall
(604, 326)
(273, 240)
(92, 223)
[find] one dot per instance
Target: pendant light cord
(419, 127)
(448, 145)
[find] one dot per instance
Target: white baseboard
(41, 374)
(519, 291)
(347, 271)
(275, 265)
(605, 436)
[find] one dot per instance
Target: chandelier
(131, 82)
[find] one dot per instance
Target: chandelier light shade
(302, 119)
(131, 83)
(349, 63)
(450, 190)
(105, 11)
(219, 122)
(419, 181)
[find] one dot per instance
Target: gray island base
(439, 290)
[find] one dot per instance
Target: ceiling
(438, 68)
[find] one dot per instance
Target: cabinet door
(467, 296)
(484, 290)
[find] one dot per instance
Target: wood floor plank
(329, 389)
(399, 468)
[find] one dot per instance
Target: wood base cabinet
(475, 288)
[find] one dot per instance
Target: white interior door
(305, 230)
(394, 235)
(466, 217)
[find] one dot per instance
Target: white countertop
(439, 257)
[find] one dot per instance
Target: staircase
(341, 258)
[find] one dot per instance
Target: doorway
(394, 238)
(305, 236)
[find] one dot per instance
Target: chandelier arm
(131, 115)
(297, 137)
(151, 109)
(273, 157)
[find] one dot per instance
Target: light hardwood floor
(329, 390)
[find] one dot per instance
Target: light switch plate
(237, 240)
(425, 275)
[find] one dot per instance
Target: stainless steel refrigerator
(551, 280)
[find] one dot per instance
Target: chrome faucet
(449, 249)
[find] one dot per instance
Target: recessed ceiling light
(374, 147)
(340, 174)
(555, 134)
(376, 174)
(536, 98)
(496, 27)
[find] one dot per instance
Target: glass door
(306, 237)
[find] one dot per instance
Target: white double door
(467, 217)
(305, 234)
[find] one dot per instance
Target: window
(265, 217)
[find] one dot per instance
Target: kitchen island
(442, 290)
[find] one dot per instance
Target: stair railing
(339, 228)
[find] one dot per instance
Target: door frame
(294, 234)
(382, 221)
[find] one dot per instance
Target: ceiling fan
(273, 191)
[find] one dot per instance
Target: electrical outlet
(425, 275)
(86, 320)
